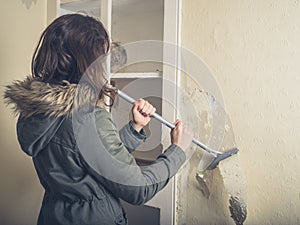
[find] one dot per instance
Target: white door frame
(167, 198)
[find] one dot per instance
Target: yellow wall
(253, 48)
(22, 22)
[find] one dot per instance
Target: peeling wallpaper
(253, 49)
(206, 197)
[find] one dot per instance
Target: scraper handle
(168, 124)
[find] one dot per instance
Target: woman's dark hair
(67, 48)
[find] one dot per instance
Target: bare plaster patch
(212, 196)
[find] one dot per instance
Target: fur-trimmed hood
(32, 97)
(43, 108)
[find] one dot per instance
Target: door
(153, 28)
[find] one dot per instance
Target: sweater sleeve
(108, 160)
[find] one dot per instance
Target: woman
(82, 183)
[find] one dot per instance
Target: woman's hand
(181, 135)
(141, 113)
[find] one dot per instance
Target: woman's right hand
(181, 135)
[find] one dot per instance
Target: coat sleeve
(108, 160)
(131, 138)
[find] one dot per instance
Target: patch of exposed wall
(253, 49)
(218, 196)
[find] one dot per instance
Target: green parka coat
(86, 168)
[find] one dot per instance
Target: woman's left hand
(141, 112)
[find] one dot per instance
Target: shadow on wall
(28, 3)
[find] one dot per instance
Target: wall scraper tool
(214, 157)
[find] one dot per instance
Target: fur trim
(32, 97)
